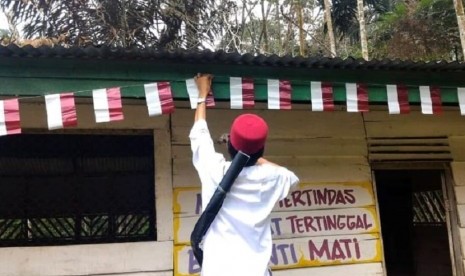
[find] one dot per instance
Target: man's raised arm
(203, 82)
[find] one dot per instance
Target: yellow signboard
(302, 252)
(317, 224)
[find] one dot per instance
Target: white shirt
(239, 240)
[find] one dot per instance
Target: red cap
(248, 133)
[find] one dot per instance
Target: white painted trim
(163, 184)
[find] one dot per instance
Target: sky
(3, 22)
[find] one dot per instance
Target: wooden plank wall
(448, 127)
(132, 259)
(312, 144)
(329, 147)
(143, 258)
(458, 172)
(320, 148)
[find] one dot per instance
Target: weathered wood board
(461, 214)
(302, 223)
(302, 252)
(458, 171)
(313, 145)
(298, 124)
(163, 187)
(382, 124)
(307, 196)
(460, 194)
(307, 168)
(457, 147)
(318, 146)
(90, 259)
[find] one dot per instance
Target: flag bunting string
(107, 102)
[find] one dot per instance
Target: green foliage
(4, 33)
(406, 29)
(422, 30)
(5, 37)
(344, 14)
(162, 24)
(280, 23)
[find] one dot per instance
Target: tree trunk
(124, 25)
(329, 24)
(264, 28)
(363, 31)
(278, 21)
(300, 22)
(242, 26)
(461, 22)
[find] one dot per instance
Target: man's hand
(204, 82)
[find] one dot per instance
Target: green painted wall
(40, 76)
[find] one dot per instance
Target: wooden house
(381, 193)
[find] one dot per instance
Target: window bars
(73, 189)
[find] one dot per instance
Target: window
(413, 222)
(72, 189)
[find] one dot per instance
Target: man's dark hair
(253, 157)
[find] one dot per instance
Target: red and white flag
(279, 94)
(461, 96)
(9, 117)
(397, 99)
(159, 98)
(193, 92)
(61, 110)
(107, 104)
(322, 96)
(357, 97)
(430, 97)
(242, 93)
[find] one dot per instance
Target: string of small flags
(107, 103)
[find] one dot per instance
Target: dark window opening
(413, 223)
(73, 189)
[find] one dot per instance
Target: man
(238, 242)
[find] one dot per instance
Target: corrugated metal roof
(222, 57)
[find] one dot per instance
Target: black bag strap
(216, 201)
